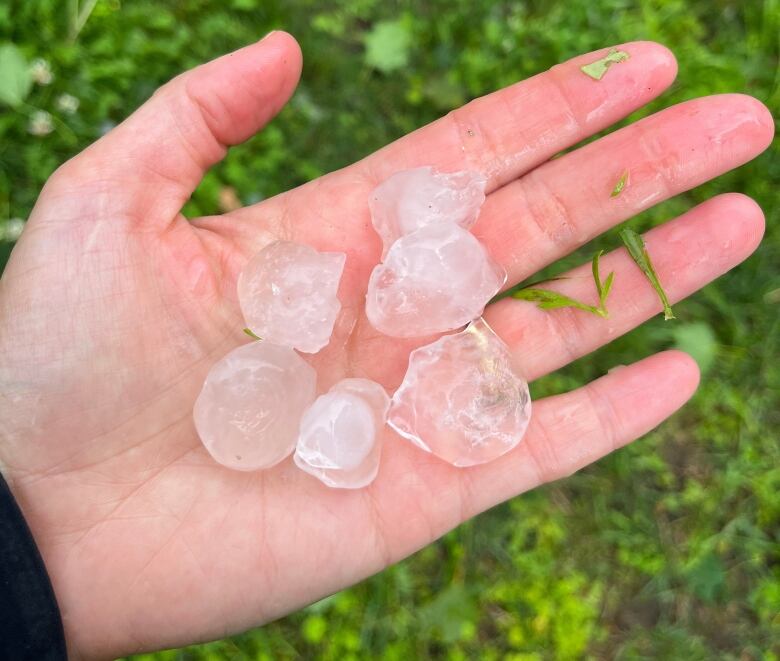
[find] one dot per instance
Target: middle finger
(567, 201)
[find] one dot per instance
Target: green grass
(667, 549)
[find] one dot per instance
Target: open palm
(114, 306)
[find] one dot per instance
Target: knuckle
(549, 212)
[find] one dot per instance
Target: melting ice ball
(248, 411)
(462, 398)
(287, 294)
(412, 199)
(433, 280)
(338, 441)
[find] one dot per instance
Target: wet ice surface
(340, 432)
(287, 294)
(412, 199)
(462, 398)
(433, 280)
(248, 411)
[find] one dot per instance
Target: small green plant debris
(603, 288)
(635, 245)
(550, 300)
(620, 185)
(597, 69)
(251, 334)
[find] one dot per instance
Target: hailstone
(287, 293)
(248, 411)
(463, 398)
(412, 199)
(433, 280)
(339, 440)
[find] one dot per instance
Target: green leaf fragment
(597, 69)
(636, 248)
(620, 185)
(387, 46)
(15, 77)
(698, 340)
(595, 270)
(251, 334)
(607, 288)
(550, 300)
(603, 288)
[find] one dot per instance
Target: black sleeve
(30, 623)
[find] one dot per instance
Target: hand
(114, 306)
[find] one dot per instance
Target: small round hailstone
(288, 294)
(412, 199)
(247, 413)
(339, 435)
(434, 280)
(462, 398)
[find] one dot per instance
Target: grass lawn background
(667, 549)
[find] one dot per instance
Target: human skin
(113, 307)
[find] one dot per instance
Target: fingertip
(278, 51)
(745, 218)
(626, 86)
(287, 46)
(762, 115)
(680, 373)
(655, 56)
(241, 91)
(751, 115)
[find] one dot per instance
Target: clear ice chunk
(249, 409)
(462, 398)
(287, 293)
(339, 435)
(434, 280)
(412, 199)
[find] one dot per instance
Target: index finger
(508, 132)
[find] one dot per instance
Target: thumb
(147, 167)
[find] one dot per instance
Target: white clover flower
(40, 70)
(40, 123)
(67, 103)
(11, 229)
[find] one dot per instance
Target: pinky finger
(569, 431)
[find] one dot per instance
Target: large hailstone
(248, 411)
(462, 398)
(287, 294)
(412, 199)
(433, 280)
(339, 435)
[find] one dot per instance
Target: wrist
(30, 622)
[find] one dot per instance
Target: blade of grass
(78, 16)
(550, 300)
(607, 288)
(635, 245)
(602, 288)
(596, 276)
